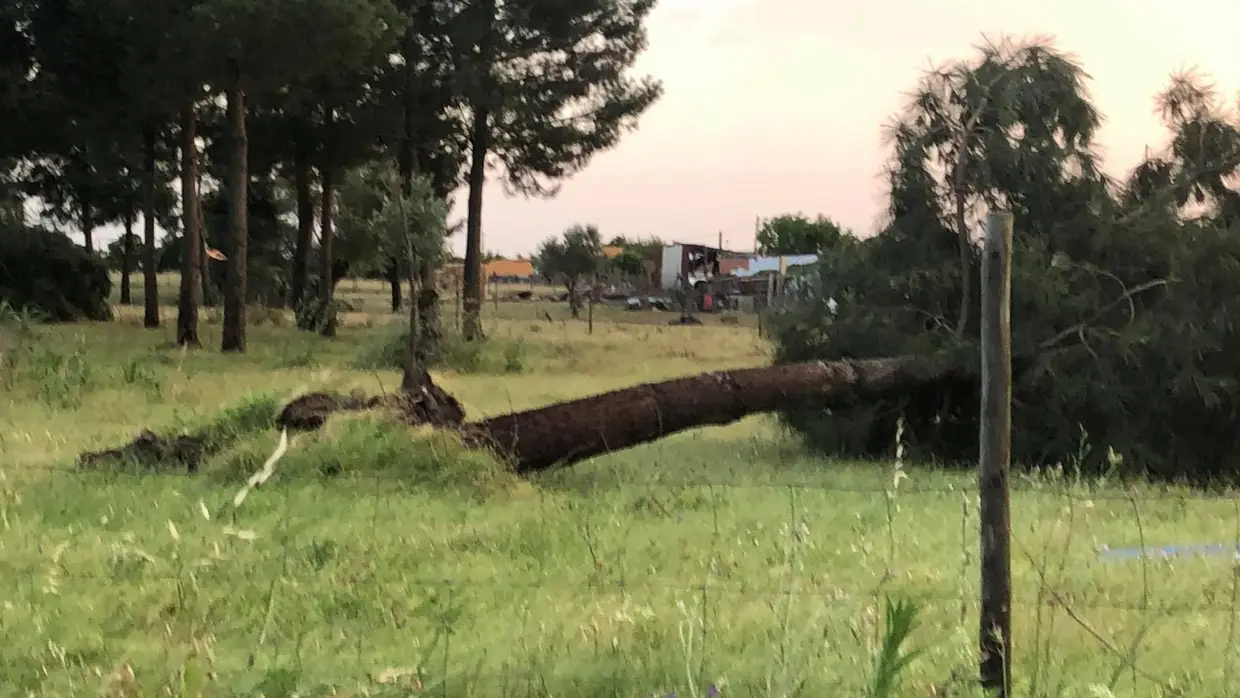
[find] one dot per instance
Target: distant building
(508, 270)
(695, 264)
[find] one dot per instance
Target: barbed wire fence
(673, 585)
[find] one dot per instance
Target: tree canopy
(234, 125)
(796, 233)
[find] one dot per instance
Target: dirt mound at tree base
(419, 402)
(150, 450)
(310, 411)
(425, 403)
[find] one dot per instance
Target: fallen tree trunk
(564, 433)
(568, 432)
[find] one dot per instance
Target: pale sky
(777, 106)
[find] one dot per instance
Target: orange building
(514, 269)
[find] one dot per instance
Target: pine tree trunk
(305, 223)
(568, 432)
(150, 270)
(426, 321)
(191, 265)
(207, 295)
(393, 278)
(127, 261)
(88, 230)
(574, 300)
(326, 278)
(233, 339)
(471, 329)
(430, 341)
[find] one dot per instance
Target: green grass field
(724, 561)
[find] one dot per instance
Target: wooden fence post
(994, 458)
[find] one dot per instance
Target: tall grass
(382, 560)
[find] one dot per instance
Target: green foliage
(794, 234)
(59, 376)
(96, 90)
(62, 379)
(1142, 302)
(521, 62)
(892, 661)
(629, 263)
(256, 412)
(114, 255)
(46, 272)
(369, 446)
(378, 222)
(498, 357)
(347, 35)
(268, 253)
(636, 257)
(571, 259)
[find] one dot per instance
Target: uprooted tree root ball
(568, 432)
(418, 402)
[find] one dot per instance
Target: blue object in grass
(1165, 551)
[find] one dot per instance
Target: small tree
(628, 264)
(575, 256)
(379, 222)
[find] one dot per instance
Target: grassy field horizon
(382, 560)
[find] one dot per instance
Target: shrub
(1155, 378)
(45, 271)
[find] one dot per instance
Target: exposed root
(156, 452)
(310, 411)
(419, 402)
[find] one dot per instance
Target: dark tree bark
(410, 159)
(127, 261)
(233, 339)
(471, 328)
(574, 298)
(206, 295)
(393, 278)
(429, 337)
(305, 223)
(88, 229)
(568, 432)
(150, 271)
(326, 282)
(191, 266)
